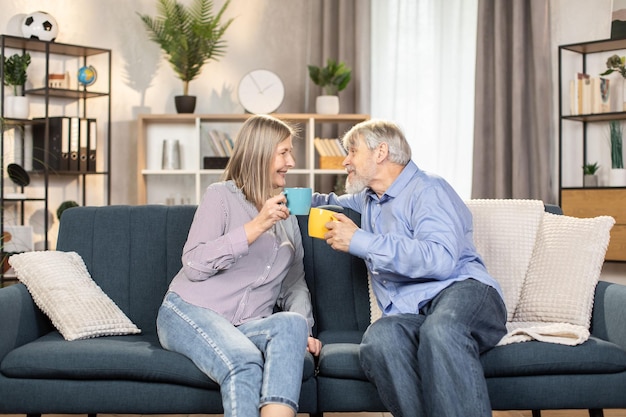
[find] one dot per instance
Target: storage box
(215, 162)
(331, 162)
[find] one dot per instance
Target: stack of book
(72, 144)
(331, 153)
(221, 145)
(590, 95)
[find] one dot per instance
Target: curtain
(340, 30)
(423, 63)
(513, 122)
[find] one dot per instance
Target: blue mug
(298, 200)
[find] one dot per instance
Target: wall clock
(261, 91)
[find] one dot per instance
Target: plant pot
(617, 177)
(590, 181)
(17, 107)
(327, 105)
(185, 104)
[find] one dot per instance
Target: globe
(87, 75)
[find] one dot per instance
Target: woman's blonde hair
(249, 165)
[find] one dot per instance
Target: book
(93, 144)
(83, 139)
(74, 144)
(58, 138)
(600, 95)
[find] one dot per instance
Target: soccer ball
(40, 25)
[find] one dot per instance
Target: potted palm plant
(190, 37)
(15, 76)
(333, 78)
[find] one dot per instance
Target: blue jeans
(428, 364)
(257, 363)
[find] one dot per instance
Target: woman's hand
(273, 211)
(314, 346)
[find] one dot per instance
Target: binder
(74, 144)
(83, 138)
(93, 144)
(57, 144)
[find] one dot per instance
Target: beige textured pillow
(564, 270)
(63, 289)
(505, 231)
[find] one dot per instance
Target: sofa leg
(596, 412)
(536, 413)
(33, 415)
(92, 415)
(321, 415)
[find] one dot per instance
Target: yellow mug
(318, 218)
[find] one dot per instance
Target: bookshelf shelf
(17, 141)
(574, 138)
(156, 186)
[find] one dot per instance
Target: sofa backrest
(131, 252)
(339, 288)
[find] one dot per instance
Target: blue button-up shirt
(416, 239)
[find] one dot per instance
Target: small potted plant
(590, 179)
(15, 76)
(189, 37)
(333, 78)
(64, 206)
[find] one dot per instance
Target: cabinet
(186, 184)
(48, 100)
(583, 139)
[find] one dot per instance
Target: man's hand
(340, 232)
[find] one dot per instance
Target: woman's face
(283, 162)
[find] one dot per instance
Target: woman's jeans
(428, 364)
(257, 363)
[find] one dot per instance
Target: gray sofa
(132, 252)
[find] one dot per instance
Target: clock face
(261, 91)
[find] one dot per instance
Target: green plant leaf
(189, 37)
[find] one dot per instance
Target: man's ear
(382, 152)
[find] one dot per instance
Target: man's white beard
(356, 186)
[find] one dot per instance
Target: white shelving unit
(186, 185)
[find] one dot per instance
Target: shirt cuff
(239, 242)
(360, 243)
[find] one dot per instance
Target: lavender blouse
(241, 282)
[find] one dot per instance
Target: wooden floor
(516, 413)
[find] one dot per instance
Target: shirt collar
(398, 185)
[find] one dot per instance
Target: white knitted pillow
(505, 231)
(63, 289)
(564, 270)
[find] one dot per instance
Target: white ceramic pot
(617, 177)
(17, 107)
(327, 105)
(590, 181)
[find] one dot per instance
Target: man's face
(361, 166)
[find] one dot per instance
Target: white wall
(265, 34)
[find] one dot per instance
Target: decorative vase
(590, 181)
(327, 105)
(17, 107)
(617, 177)
(185, 104)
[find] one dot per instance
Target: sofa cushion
(595, 356)
(63, 289)
(131, 357)
(557, 297)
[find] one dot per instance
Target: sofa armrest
(609, 313)
(21, 321)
